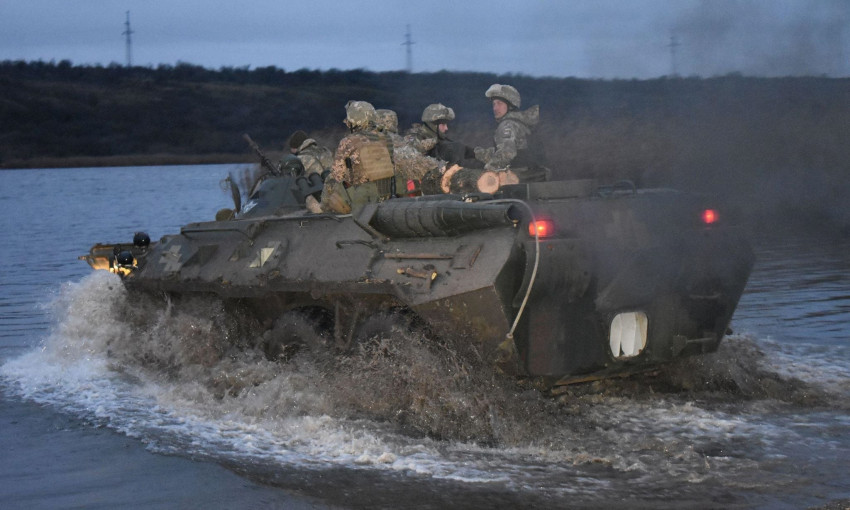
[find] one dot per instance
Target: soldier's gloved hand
(480, 153)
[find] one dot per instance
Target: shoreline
(766, 217)
(132, 160)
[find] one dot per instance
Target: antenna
(407, 42)
(127, 32)
(674, 43)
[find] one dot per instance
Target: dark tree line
(782, 140)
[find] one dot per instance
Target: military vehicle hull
(563, 281)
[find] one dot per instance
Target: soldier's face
(500, 108)
(443, 128)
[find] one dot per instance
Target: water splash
(190, 376)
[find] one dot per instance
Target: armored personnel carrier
(562, 281)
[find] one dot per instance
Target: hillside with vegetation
(768, 144)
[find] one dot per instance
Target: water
(90, 378)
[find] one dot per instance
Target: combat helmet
(359, 114)
(387, 120)
(436, 113)
(506, 93)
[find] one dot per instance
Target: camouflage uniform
(512, 148)
(316, 158)
(386, 121)
(348, 157)
(428, 140)
(362, 169)
(422, 138)
(425, 137)
(409, 163)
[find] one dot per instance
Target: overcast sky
(582, 38)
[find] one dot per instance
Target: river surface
(109, 401)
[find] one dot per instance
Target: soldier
(386, 121)
(410, 164)
(315, 158)
(431, 138)
(362, 169)
(424, 137)
(515, 148)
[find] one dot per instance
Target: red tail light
(543, 228)
(413, 188)
(709, 216)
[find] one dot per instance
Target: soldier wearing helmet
(437, 117)
(435, 124)
(362, 169)
(431, 137)
(386, 121)
(410, 164)
(515, 148)
(315, 158)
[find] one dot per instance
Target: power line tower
(127, 32)
(407, 42)
(674, 43)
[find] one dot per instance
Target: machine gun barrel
(263, 159)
